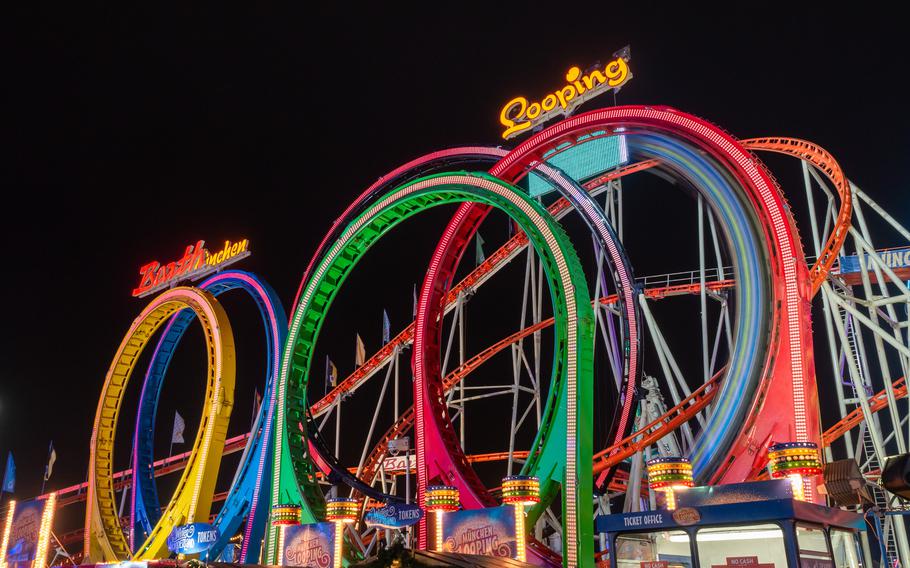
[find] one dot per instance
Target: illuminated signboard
(197, 261)
(394, 516)
(519, 114)
(397, 464)
(488, 532)
(192, 538)
(309, 545)
(23, 535)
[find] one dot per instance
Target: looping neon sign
(519, 114)
(196, 262)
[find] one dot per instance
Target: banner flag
(51, 458)
(179, 427)
(479, 256)
(331, 372)
(9, 475)
(361, 355)
(386, 328)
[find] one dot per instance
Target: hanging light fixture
(669, 475)
(796, 461)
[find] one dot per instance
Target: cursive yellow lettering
(595, 75)
(572, 77)
(514, 110)
(548, 102)
(617, 71)
(520, 114)
(565, 95)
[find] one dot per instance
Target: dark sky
(131, 134)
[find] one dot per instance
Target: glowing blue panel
(584, 161)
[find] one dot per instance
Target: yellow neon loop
(104, 538)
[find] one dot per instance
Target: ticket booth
(776, 533)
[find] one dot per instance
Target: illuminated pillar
(796, 461)
(441, 499)
(340, 511)
(44, 532)
(284, 516)
(4, 544)
(670, 475)
(518, 491)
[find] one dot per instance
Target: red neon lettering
(196, 260)
(147, 273)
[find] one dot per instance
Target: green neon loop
(560, 456)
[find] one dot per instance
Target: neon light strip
(521, 553)
(594, 216)
(44, 532)
(337, 558)
(4, 544)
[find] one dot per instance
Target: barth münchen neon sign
(197, 262)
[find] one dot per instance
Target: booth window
(638, 549)
(813, 547)
(843, 544)
(744, 546)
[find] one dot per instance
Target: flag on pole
(179, 427)
(9, 475)
(479, 257)
(414, 314)
(331, 372)
(386, 328)
(361, 354)
(51, 458)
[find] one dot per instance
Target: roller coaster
(757, 383)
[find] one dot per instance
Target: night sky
(132, 134)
